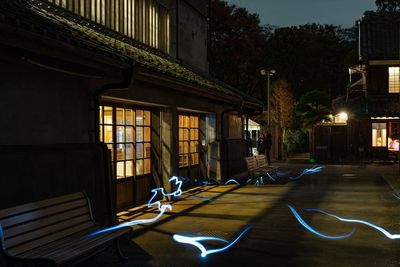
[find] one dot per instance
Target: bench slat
(46, 231)
(39, 204)
(58, 244)
(28, 227)
(40, 242)
(42, 213)
(89, 244)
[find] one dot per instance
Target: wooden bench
(53, 232)
(258, 167)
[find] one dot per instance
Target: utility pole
(269, 73)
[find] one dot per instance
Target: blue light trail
(315, 169)
(379, 228)
(162, 208)
(396, 196)
(232, 181)
(195, 241)
(312, 230)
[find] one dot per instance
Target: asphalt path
(276, 238)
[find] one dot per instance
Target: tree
(388, 5)
(237, 47)
(312, 108)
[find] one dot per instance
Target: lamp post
(268, 73)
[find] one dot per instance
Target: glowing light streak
(162, 208)
(195, 241)
(312, 230)
(396, 195)
(377, 227)
(315, 169)
(232, 181)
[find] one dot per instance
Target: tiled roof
(380, 34)
(51, 21)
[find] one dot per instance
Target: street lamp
(268, 73)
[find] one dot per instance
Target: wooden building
(373, 98)
(112, 97)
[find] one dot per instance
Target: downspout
(128, 79)
(127, 82)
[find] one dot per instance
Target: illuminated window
(127, 133)
(394, 137)
(394, 80)
(379, 135)
(143, 142)
(188, 140)
(144, 20)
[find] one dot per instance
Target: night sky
(298, 12)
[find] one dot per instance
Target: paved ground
(276, 238)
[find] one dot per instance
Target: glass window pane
(139, 167)
(180, 147)
(120, 152)
(185, 147)
(120, 169)
(129, 134)
(180, 134)
(120, 116)
(147, 150)
(185, 134)
(180, 121)
(120, 134)
(186, 123)
(192, 146)
(147, 118)
(196, 158)
(139, 134)
(108, 118)
(147, 134)
(139, 117)
(130, 151)
(196, 134)
(129, 168)
(147, 166)
(139, 150)
(192, 134)
(185, 160)
(129, 115)
(101, 133)
(192, 122)
(108, 138)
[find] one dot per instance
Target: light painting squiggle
(162, 208)
(315, 169)
(396, 196)
(379, 228)
(195, 241)
(312, 230)
(232, 181)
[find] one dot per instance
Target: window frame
(114, 159)
(193, 157)
(394, 80)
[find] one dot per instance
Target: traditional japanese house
(373, 98)
(112, 97)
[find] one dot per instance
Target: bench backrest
(251, 163)
(261, 161)
(39, 223)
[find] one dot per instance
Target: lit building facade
(112, 97)
(373, 100)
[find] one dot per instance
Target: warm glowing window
(394, 80)
(188, 140)
(143, 142)
(127, 133)
(394, 136)
(379, 134)
(144, 20)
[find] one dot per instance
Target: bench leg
(118, 250)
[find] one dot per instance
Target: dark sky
(297, 12)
